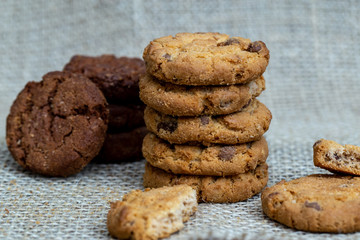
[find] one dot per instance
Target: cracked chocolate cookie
(56, 126)
(245, 126)
(315, 203)
(205, 59)
(180, 100)
(118, 78)
(336, 157)
(125, 117)
(209, 188)
(122, 146)
(217, 160)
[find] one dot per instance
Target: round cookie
(180, 100)
(56, 126)
(118, 78)
(205, 59)
(245, 126)
(125, 117)
(122, 146)
(212, 189)
(315, 203)
(217, 160)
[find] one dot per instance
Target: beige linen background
(312, 90)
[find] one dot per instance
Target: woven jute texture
(312, 85)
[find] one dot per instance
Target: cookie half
(217, 160)
(212, 189)
(315, 203)
(56, 126)
(245, 126)
(180, 100)
(205, 59)
(118, 78)
(336, 157)
(122, 146)
(151, 214)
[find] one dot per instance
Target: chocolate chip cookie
(315, 203)
(217, 160)
(125, 117)
(122, 146)
(205, 59)
(152, 214)
(212, 189)
(118, 78)
(56, 126)
(336, 157)
(245, 126)
(178, 100)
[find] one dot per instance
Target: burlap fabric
(312, 90)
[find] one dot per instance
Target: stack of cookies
(118, 79)
(206, 125)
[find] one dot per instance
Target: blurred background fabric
(312, 82)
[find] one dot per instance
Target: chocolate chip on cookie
(56, 126)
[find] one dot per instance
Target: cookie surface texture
(205, 59)
(180, 100)
(118, 78)
(245, 126)
(122, 146)
(125, 117)
(218, 160)
(151, 214)
(315, 203)
(56, 126)
(212, 189)
(336, 157)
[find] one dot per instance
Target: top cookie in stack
(206, 124)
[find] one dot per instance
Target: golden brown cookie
(245, 126)
(212, 189)
(315, 203)
(205, 59)
(151, 214)
(56, 126)
(217, 160)
(336, 157)
(180, 100)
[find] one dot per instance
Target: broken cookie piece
(152, 214)
(336, 157)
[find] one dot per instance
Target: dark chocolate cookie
(56, 126)
(125, 117)
(118, 78)
(122, 147)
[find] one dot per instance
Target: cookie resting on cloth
(152, 214)
(56, 126)
(209, 188)
(315, 203)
